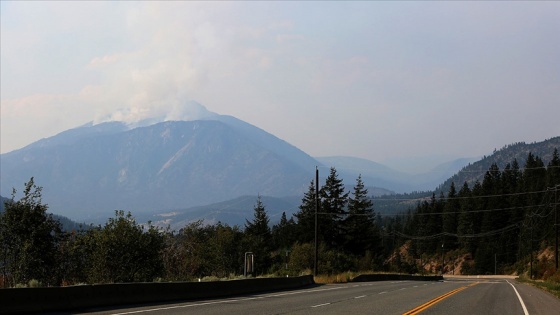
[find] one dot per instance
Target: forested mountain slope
(517, 151)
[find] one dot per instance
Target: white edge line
(228, 301)
(519, 297)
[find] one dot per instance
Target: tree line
(35, 248)
(498, 223)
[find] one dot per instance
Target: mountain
(377, 175)
(459, 171)
(233, 212)
(237, 210)
(66, 223)
(519, 151)
(92, 170)
(196, 168)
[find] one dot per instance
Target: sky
(384, 81)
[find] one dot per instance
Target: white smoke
(155, 82)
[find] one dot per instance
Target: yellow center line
(440, 298)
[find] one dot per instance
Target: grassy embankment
(551, 285)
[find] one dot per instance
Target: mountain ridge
(213, 154)
(507, 154)
(91, 170)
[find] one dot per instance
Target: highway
(454, 295)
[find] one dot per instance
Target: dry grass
(551, 285)
(336, 278)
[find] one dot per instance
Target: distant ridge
(384, 180)
(190, 167)
(232, 212)
(519, 151)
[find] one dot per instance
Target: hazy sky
(378, 80)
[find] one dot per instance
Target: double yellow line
(437, 300)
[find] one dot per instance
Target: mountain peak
(134, 117)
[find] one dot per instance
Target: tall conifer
(333, 204)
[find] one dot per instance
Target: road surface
(454, 295)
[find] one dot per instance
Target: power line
(459, 212)
(459, 198)
(439, 235)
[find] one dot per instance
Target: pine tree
(466, 224)
(534, 179)
(511, 179)
(450, 217)
(478, 203)
(259, 226)
(333, 203)
(284, 233)
(305, 229)
(493, 218)
(361, 234)
(553, 170)
(534, 185)
(258, 236)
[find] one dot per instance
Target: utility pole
(442, 257)
(531, 268)
(495, 263)
(316, 225)
(556, 224)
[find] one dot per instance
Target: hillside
(94, 169)
(403, 202)
(233, 212)
(519, 151)
(66, 223)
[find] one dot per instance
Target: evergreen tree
(450, 217)
(511, 179)
(534, 179)
(306, 216)
(430, 223)
(478, 206)
(534, 186)
(333, 203)
(466, 224)
(361, 234)
(553, 170)
(284, 233)
(259, 236)
(494, 218)
(259, 226)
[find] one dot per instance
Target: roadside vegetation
(502, 225)
(551, 285)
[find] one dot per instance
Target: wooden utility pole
(316, 225)
(531, 265)
(556, 224)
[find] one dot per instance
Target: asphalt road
(453, 296)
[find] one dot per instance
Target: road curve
(454, 295)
